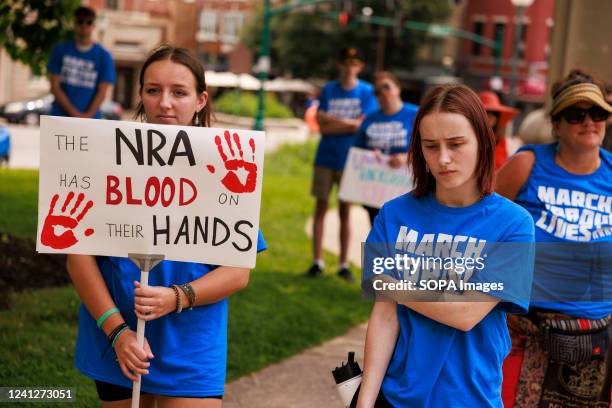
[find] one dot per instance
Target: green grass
(278, 315)
(244, 103)
(18, 202)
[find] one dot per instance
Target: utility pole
(263, 65)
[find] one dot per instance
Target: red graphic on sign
(233, 163)
(49, 237)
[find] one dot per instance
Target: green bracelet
(117, 335)
(106, 315)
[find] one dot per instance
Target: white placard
(370, 181)
(112, 188)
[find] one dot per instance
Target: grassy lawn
(18, 202)
(278, 315)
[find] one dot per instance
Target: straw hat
(491, 103)
(584, 92)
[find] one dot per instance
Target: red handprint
(48, 236)
(231, 180)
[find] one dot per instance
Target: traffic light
(343, 18)
(347, 13)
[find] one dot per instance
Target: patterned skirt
(533, 379)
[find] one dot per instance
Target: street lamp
(263, 66)
(521, 6)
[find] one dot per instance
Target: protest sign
(114, 188)
(370, 181)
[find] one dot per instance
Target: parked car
(29, 111)
(5, 145)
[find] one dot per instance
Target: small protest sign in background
(370, 181)
(114, 188)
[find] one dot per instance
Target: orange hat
(491, 103)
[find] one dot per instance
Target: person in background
(80, 71)
(561, 350)
(183, 360)
(499, 115)
(311, 105)
(343, 103)
(387, 131)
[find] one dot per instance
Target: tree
(305, 43)
(30, 28)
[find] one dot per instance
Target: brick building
(497, 20)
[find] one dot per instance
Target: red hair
(461, 100)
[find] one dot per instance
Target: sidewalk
(301, 381)
(360, 224)
(305, 380)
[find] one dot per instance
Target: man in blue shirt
(80, 71)
(343, 105)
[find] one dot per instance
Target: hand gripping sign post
(145, 263)
(149, 192)
(370, 181)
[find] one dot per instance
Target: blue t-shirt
(80, 74)
(435, 365)
(388, 133)
(190, 348)
(343, 104)
(573, 220)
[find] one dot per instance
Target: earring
(426, 167)
(196, 120)
(144, 117)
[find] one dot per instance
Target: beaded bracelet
(105, 316)
(179, 304)
(190, 293)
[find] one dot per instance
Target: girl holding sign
(566, 187)
(445, 351)
(387, 131)
(183, 361)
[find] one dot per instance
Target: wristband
(190, 293)
(118, 334)
(106, 315)
(112, 337)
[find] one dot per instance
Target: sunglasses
(383, 88)
(574, 116)
(84, 22)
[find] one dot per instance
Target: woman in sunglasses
(561, 354)
(387, 131)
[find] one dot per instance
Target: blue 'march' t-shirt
(80, 73)
(190, 348)
(435, 365)
(343, 104)
(573, 223)
(388, 133)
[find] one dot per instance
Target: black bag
(575, 340)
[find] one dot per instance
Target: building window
(112, 4)
(499, 31)
(478, 30)
(208, 26)
(437, 49)
(232, 23)
(522, 45)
